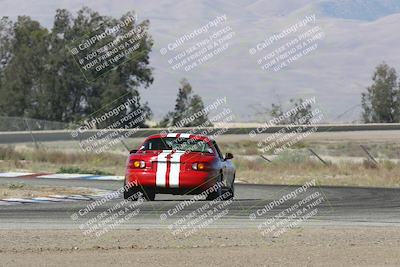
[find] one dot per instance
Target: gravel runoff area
(304, 246)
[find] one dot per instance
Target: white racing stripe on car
(172, 134)
(161, 175)
(175, 169)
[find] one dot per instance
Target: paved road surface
(340, 206)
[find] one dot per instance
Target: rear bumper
(189, 181)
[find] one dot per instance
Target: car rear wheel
(231, 194)
(216, 193)
(231, 189)
(131, 193)
(149, 194)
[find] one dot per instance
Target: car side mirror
(133, 151)
(228, 156)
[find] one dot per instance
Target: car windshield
(172, 143)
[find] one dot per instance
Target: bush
(79, 170)
(9, 153)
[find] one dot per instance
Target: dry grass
(289, 167)
(44, 160)
(297, 168)
(21, 190)
(387, 150)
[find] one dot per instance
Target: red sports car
(179, 163)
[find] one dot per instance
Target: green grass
(79, 170)
(16, 185)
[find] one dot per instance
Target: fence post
(123, 143)
(315, 154)
(264, 157)
(369, 154)
(30, 131)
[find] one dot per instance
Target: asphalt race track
(341, 206)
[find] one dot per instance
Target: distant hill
(367, 10)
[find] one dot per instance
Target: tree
(64, 82)
(300, 113)
(6, 37)
(22, 80)
(381, 102)
(122, 82)
(42, 80)
(189, 109)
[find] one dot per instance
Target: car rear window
(180, 144)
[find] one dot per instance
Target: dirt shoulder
(23, 190)
(312, 246)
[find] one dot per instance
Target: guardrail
(66, 135)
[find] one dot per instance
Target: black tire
(231, 194)
(230, 189)
(131, 193)
(149, 194)
(215, 194)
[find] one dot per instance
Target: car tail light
(199, 166)
(137, 164)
